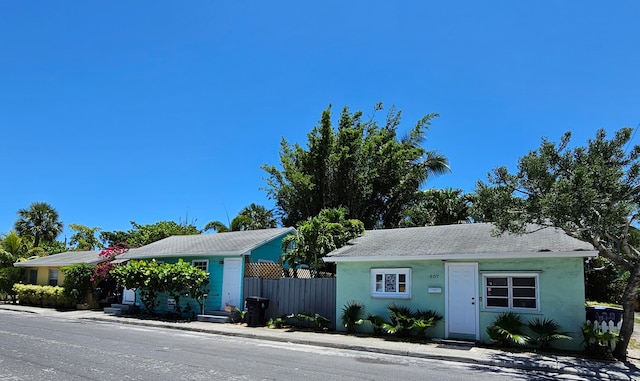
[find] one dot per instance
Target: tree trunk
(628, 301)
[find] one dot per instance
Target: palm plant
(545, 332)
(351, 314)
(404, 321)
(424, 319)
(377, 323)
(598, 341)
(216, 226)
(506, 329)
(40, 221)
(251, 217)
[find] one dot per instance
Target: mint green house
(222, 255)
(468, 275)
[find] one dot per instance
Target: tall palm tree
(254, 217)
(40, 221)
(251, 217)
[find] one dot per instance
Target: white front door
(232, 282)
(462, 300)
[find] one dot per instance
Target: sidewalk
(604, 370)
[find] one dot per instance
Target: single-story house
(468, 275)
(46, 270)
(222, 255)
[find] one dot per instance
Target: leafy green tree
(49, 248)
(84, 237)
(40, 221)
(319, 235)
(8, 277)
(151, 278)
(12, 248)
(364, 167)
(141, 235)
(251, 217)
(182, 278)
(438, 207)
(78, 282)
(591, 192)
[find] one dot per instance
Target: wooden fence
(294, 295)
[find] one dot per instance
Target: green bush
(597, 341)
(42, 296)
(78, 281)
(8, 277)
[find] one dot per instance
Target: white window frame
(510, 294)
(205, 261)
(52, 278)
(379, 275)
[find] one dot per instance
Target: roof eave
(469, 256)
(190, 255)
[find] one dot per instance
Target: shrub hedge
(42, 296)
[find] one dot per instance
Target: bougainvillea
(107, 255)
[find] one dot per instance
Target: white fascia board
(444, 257)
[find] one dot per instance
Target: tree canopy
(40, 221)
(319, 235)
(592, 192)
(361, 166)
(251, 217)
(141, 235)
(438, 207)
(84, 237)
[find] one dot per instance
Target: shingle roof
(63, 259)
(459, 241)
(228, 243)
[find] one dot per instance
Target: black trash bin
(603, 313)
(256, 308)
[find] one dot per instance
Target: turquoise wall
(214, 300)
(561, 291)
(271, 251)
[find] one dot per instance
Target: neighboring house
(46, 270)
(222, 255)
(468, 275)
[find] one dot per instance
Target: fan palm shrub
(507, 329)
(545, 332)
(351, 315)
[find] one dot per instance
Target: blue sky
(152, 110)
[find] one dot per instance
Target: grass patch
(634, 344)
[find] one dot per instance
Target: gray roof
(228, 243)
(459, 241)
(63, 259)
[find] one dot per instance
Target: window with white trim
(511, 291)
(53, 277)
(202, 264)
(391, 283)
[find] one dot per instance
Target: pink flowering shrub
(107, 255)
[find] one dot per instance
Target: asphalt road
(36, 347)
